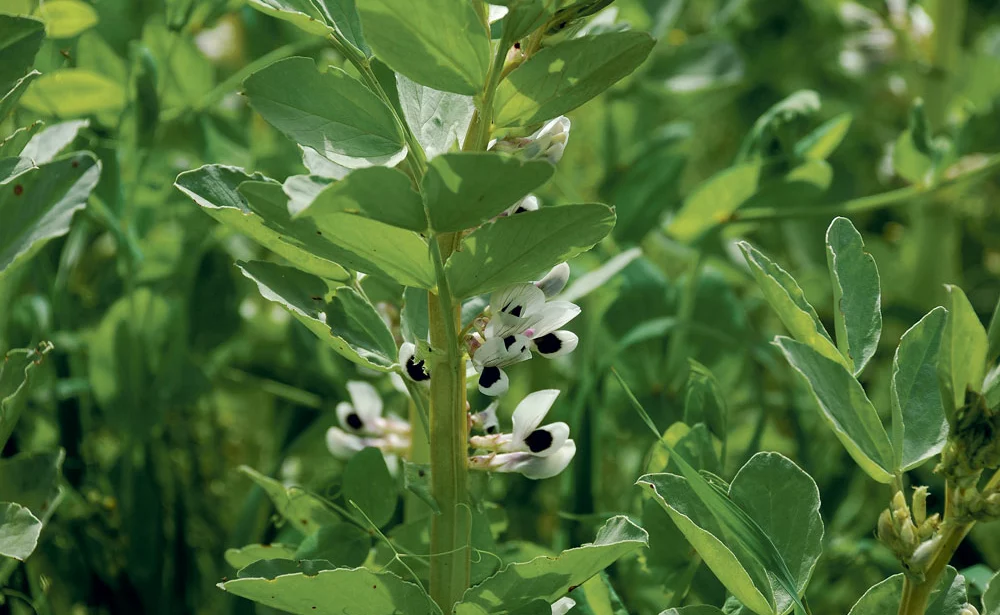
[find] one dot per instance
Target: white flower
(528, 203)
(521, 320)
(362, 425)
(486, 420)
(534, 450)
(548, 142)
(563, 605)
(414, 367)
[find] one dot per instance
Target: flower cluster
(522, 319)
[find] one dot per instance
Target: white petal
(546, 467)
(486, 420)
(367, 401)
(531, 411)
(555, 280)
(493, 381)
(563, 605)
(555, 344)
(496, 13)
(554, 315)
(349, 418)
(514, 309)
(528, 203)
(342, 444)
(500, 352)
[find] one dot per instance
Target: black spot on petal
(509, 341)
(548, 344)
(492, 429)
(516, 311)
(520, 209)
(489, 377)
(354, 421)
(538, 440)
(416, 370)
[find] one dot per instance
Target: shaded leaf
(714, 201)
(962, 357)
(244, 556)
(946, 599)
(438, 119)
(857, 294)
(303, 510)
(378, 193)
(368, 484)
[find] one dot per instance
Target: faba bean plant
(491, 395)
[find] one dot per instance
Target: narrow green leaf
(465, 190)
(947, 598)
(845, 407)
(330, 112)
(11, 98)
(704, 401)
(787, 299)
(66, 18)
(368, 484)
(518, 585)
(821, 142)
(562, 77)
(301, 509)
(919, 425)
(244, 556)
(335, 592)
(72, 92)
(348, 323)
(857, 295)
(15, 378)
(38, 205)
(438, 119)
(714, 201)
(378, 193)
(964, 345)
(20, 39)
(442, 44)
(515, 248)
(19, 531)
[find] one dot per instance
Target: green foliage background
(170, 371)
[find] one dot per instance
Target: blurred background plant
(751, 119)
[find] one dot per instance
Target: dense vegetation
(279, 279)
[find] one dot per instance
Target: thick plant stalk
(450, 554)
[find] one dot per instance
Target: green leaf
(343, 544)
(438, 119)
(787, 299)
(517, 585)
(348, 323)
(19, 531)
(256, 206)
(857, 296)
(909, 162)
(515, 248)
(714, 201)
(38, 205)
(704, 401)
(844, 405)
(66, 18)
(15, 378)
(378, 193)
(417, 480)
(465, 190)
(72, 92)
(320, 17)
(46, 145)
(371, 246)
(784, 501)
(368, 484)
(560, 78)
(20, 39)
(821, 142)
(12, 144)
(11, 98)
(414, 321)
(244, 556)
(330, 112)
(303, 510)
(991, 597)
(695, 609)
(438, 43)
(32, 480)
(947, 598)
(962, 359)
(919, 424)
(334, 592)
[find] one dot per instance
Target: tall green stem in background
(935, 253)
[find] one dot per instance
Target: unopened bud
(886, 531)
(922, 554)
(993, 505)
(968, 609)
(919, 505)
(908, 535)
(901, 516)
(927, 529)
(899, 503)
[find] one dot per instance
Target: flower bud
(899, 503)
(927, 529)
(993, 505)
(968, 609)
(922, 554)
(886, 531)
(919, 505)
(908, 535)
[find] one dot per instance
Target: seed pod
(919, 505)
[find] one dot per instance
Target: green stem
(450, 530)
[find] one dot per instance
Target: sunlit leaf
(857, 296)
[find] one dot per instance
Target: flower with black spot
(362, 425)
(532, 449)
(413, 366)
(493, 355)
(548, 142)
